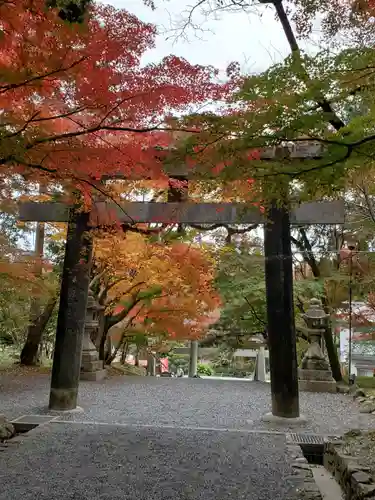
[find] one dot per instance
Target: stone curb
(20, 438)
(302, 479)
(366, 403)
(354, 479)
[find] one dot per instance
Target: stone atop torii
(316, 212)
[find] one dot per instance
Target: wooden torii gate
(278, 270)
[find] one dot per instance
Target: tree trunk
(97, 335)
(108, 347)
(102, 346)
(331, 348)
(29, 353)
(105, 344)
(124, 353)
(308, 255)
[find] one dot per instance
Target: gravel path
(102, 462)
(196, 403)
(148, 438)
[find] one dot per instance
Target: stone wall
(355, 479)
(302, 480)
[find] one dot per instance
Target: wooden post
(280, 313)
(72, 312)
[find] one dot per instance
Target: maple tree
(76, 100)
(324, 99)
(162, 289)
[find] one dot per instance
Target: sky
(255, 41)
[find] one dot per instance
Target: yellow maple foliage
(181, 276)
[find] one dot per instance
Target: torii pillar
(71, 319)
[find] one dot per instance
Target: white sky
(256, 42)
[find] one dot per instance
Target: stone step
(314, 374)
(317, 386)
(94, 376)
(91, 366)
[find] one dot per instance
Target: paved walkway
(158, 439)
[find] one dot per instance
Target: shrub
(204, 370)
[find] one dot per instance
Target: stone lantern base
(315, 374)
(316, 381)
(91, 367)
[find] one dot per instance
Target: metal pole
(350, 315)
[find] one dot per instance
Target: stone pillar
(315, 374)
(260, 367)
(71, 318)
(193, 362)
(91, 366)
(280, 312)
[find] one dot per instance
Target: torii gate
(278, 270)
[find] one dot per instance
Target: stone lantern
(91, 366)
(315, 374)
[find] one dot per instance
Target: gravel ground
(174, 402)
(102, 462)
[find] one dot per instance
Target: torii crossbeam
(323, 212)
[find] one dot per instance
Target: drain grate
(312, 446)
(306, 439)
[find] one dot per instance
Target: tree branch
(324, 104)
(307, 252)
(96, 279)
(129, 290)
(212, 227)
(254, 313)
(11, 86)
